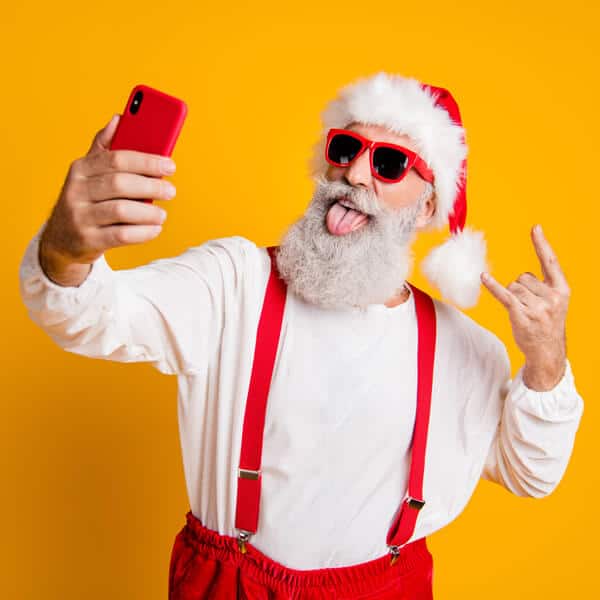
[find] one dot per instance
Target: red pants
(208, 566)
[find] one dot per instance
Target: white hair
(366, 266)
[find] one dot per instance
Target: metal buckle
(394, 551)
(243, 538)
(414, 503)
(248, 474)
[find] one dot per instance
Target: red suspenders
(404, 524)
(267, 341)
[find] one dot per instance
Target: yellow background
(93, 490)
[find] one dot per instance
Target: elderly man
(332, 414)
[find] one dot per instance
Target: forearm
(535, 437)
(74, 313)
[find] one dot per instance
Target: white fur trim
(402, 105)
(455, 267)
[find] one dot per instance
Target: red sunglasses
(389, 162)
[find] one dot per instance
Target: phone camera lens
(135, 103)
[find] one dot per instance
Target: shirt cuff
(557, 404)
(34, 280)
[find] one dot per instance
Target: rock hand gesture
(537, 311)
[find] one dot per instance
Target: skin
(393, 195)
(537, 309)
(538, 312)
(97, 207)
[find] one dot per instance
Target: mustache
(328, 192)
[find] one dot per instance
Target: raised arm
(166, 312)
(542, 408)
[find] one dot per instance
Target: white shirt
(342, 402)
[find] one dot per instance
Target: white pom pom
(455, 267)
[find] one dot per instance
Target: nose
(359, 170)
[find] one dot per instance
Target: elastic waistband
(355, 578)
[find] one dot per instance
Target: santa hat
(430, 116)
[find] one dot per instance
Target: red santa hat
(429, 115)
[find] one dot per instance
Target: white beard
(366, 266)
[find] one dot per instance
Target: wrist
(542, 376)
(59, 269)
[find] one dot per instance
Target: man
(332, 414)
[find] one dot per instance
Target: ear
(427, 212)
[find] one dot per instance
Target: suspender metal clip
(248, 474)
(243, 538)
(394, 551)
(414, 503)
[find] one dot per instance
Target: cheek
(388, 197)
(334, 173)
(399, 195)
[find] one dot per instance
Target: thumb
(104, 137)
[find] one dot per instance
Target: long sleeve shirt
(341, 406)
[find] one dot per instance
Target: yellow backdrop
(93, 489)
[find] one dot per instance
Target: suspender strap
(404, 524)
(267, 340)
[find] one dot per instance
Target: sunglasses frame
(414, 160)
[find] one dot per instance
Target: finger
(502, 294)
(525, 296)
(129, 161)
(104, 137)
(533, 284)
(552, 272)
(128, 185)
(123, 235)
(124, 211)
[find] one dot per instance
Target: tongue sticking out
(342, 220)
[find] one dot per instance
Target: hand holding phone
(98, 207)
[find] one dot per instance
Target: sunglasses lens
(389, 163)
(343, 148)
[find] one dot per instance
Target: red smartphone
(151, 122)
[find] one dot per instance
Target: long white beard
(366, 266)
